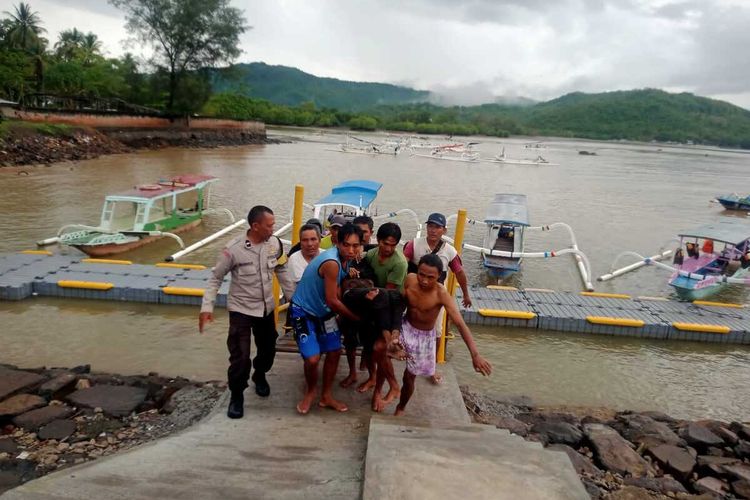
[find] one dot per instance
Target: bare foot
(303, 407)
(333, 404)
(350, 380)
(436, 379)
(366, 385)
(399, 411)
(393, 394)
(378, 405)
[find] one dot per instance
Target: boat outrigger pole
(632, 267)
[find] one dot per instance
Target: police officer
(252, 259)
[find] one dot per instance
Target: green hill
(292, 87)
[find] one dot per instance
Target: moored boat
(506, 219)
(702, 269)
(142, 215)
(734, 202)
(349, 198)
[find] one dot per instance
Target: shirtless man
(424, 298)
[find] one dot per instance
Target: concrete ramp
(409, 459)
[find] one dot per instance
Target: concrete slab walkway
(271, 453)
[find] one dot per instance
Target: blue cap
(437, 218)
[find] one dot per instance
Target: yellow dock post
(458, 240)
(299, 198)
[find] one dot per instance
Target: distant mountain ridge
(292, 87)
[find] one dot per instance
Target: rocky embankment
(632, 455)
(22, 146)
(58, 417)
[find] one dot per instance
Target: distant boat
(453, 152)
(506, 218)
(350, 199)
(364, 147)
(734, 202)
(501, 158)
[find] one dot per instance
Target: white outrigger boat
(364, 147)
(501, 158)
(700, 269)
(506, 219)
(349, 198)
(142, 215)
(452, 152)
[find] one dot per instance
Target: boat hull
(733, 204)
(501, 267)
(117, 248)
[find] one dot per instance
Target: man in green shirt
(390, 266)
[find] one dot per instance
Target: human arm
(284, 274)
(329, 271)
(464, 284)
(409, 250)
(223, 265)
(480, 364)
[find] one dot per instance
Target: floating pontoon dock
(72, 276)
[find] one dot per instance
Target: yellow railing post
(299, 197)
(458, 240)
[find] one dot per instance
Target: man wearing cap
(252, 258)
(330, 241)
(434, 244)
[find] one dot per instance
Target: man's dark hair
(364, 219)
(349, 229)
(309, 227)
(432, 260)
(257, 213)
(389, 229)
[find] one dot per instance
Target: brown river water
(627, 197)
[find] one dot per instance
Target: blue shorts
(314, 335)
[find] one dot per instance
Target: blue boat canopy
(725, 231)
(357, 193)
(508, 209)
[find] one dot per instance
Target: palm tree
(25, 28)
(90, 48)
(68, 44)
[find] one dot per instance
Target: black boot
(262, 388)
(236, 405)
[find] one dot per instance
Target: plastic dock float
(608, 314)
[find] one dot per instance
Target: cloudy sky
(472, 50)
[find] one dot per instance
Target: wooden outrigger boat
(703, 270)
(501, 158)
(142, 215)
(506, 219)
(734, 202)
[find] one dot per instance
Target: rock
(642, 429)
(738, 471)
(714, 466)
(7, 445)
(700, 436)
(741, 488)
(32, 420)
(592, 489)
(21, 403)
(535, 417)
(94, 428)
(728, 436)
(115, 400)
(661, 485)
(559, 432)
(57, 429)
(81, 369)
(711, 485)
(12, 381)
(742, 449)
(513, 425)
(580, 463)
(660, 417)
(674, 459)
(614, 453)
(630, 493)
(53, 386)
(740, 429)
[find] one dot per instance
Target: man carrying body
(425, 297)
(390, 268)
(252, 259)
(313, 310)
(434, 244)
(358, 333)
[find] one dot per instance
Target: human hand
(481, 365)
(203, 318)
(353, 272)
(466, 301)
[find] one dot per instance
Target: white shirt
(297, 265)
